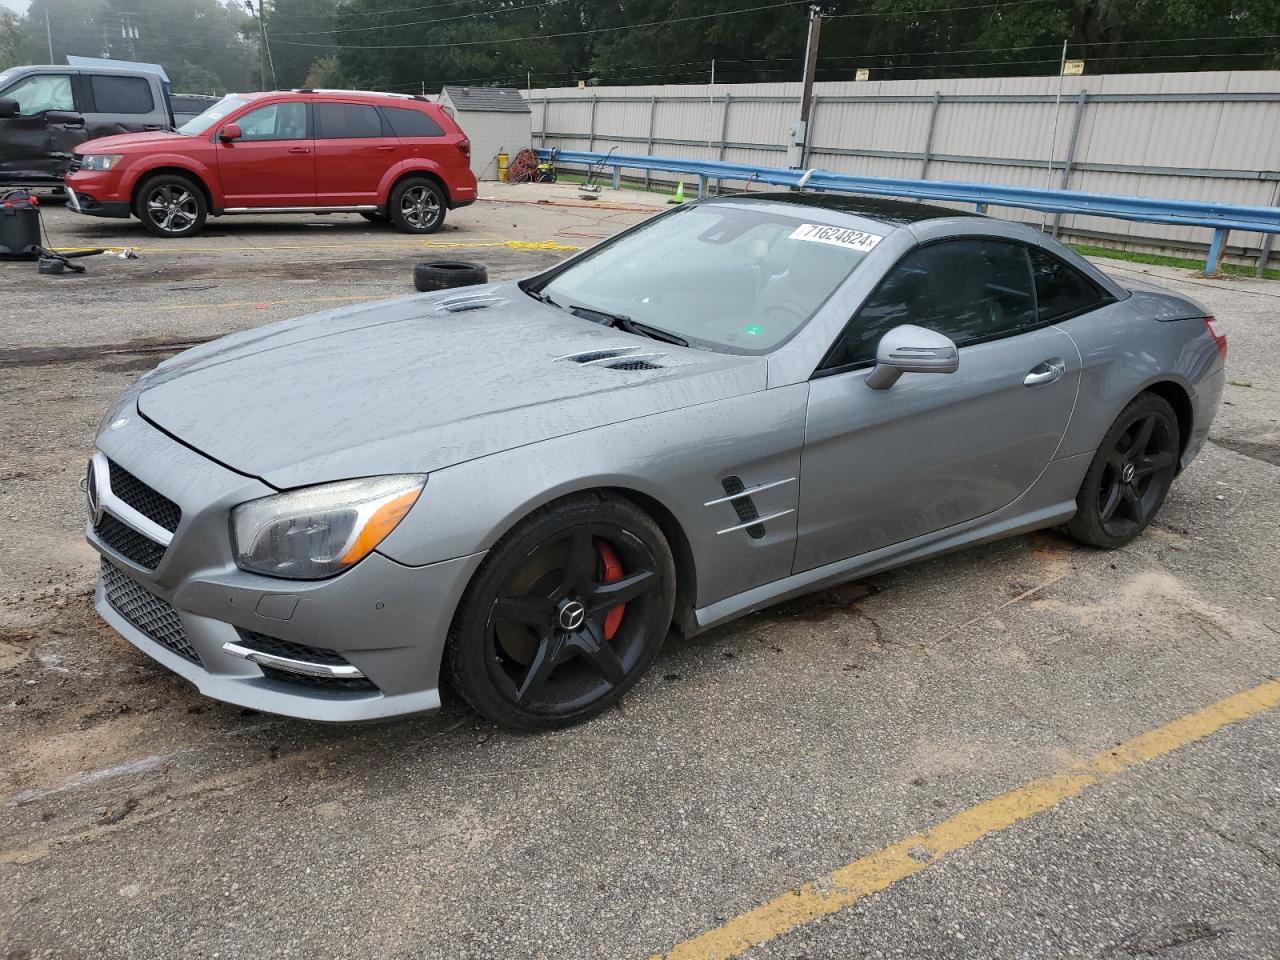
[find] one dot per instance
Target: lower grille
(127, 542)
(150, 614)
(337, 684)
(298, 651)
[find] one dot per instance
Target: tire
(374, 217)
(417, 206)
(514, 652)
(171, 206)
(1130, 475)
(445, 274)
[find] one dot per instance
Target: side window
(1062, 290)
(41, 92)
(336, 121)
(121, 94)
(970, 290)
(278, 121)
(407, 123)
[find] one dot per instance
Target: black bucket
(19, 226)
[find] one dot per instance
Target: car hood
(122, 141)
(419, 383)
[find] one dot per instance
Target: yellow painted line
(880, 870)
(351, 245)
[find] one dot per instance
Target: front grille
(150, 614)
(128, 542)
(152, 504)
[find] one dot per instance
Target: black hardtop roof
(885, 209)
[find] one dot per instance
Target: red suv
(381, 155)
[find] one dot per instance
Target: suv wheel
(171, 206)
(417, 206)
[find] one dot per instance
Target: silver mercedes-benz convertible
(520, 488)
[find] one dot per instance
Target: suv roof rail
(364, 93)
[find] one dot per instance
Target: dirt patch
(149, 347)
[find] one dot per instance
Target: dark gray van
(45, 111)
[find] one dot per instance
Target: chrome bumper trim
(289, 665)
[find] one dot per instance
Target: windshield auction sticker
(836, 236)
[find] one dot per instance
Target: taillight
(1219, 339)
(464, 148)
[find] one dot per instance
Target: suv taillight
(464, 148)
(1219, 339)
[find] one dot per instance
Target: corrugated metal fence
(1192, 136)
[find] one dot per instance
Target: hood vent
(630, 364)
(627, 359)
(472, 302)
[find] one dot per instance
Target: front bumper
(387, 620)
(97, 194)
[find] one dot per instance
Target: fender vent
(744, 506)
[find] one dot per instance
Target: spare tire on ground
(444, 274)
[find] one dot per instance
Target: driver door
(882, 467)
(272, 164)
(36, 146)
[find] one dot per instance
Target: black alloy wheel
(565, 615)
(1130, 475)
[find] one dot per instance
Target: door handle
(152, 126)
(1046, 372)
(384, 148)
(299, 149)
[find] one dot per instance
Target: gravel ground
(139, 820)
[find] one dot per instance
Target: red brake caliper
(612, 572)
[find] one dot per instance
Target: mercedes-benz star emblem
(572, 615)
(91, 495)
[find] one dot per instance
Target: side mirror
(911, 349)
(230, 132)
(8, 107)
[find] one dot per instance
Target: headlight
(319, 531)
(100, 161)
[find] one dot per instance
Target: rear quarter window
(407, 123)
(121, 94)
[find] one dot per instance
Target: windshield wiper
(622, 322)
(542, 297)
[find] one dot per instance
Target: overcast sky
(19, 5)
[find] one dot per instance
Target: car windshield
(725, 276)
(199, 124)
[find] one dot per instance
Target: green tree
(12, 40)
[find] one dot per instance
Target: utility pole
(264, 48)
(800, 136)
(48, 30)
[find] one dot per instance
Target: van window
(121, 94)
(338, 121)
(407, 123)
(41, 92)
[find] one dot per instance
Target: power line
(557, 36)
(420, 23)
(911, 13)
